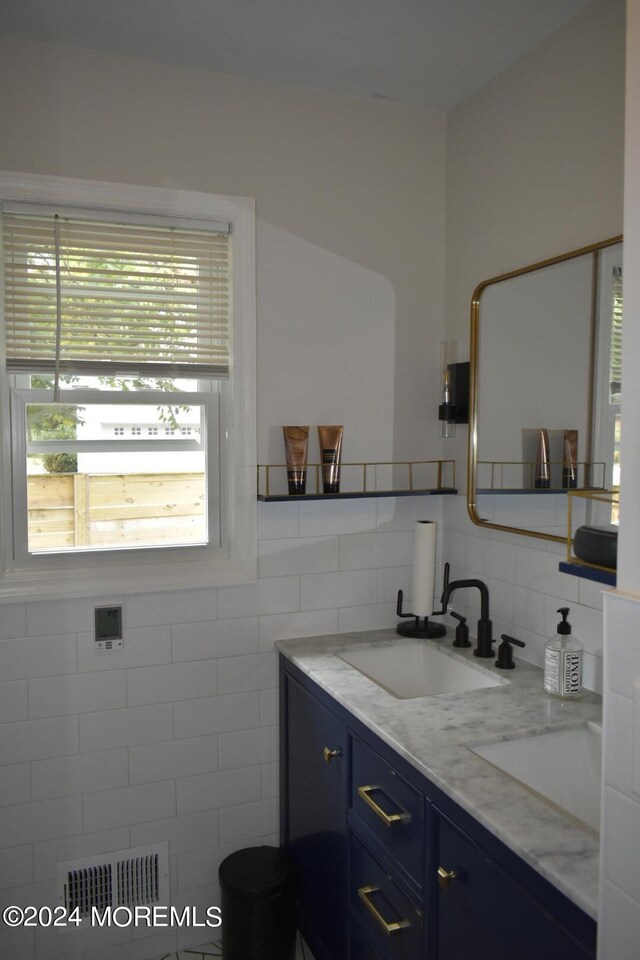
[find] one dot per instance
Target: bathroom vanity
(407, 844)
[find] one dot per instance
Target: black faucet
(485, 639)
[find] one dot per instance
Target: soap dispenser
(563, 661)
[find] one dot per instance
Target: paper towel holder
(417, 626)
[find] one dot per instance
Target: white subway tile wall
(176, 736)
(619, 933)
(525, 587)
(82, 773)
(14, 702)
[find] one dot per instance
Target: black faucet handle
(505, 652)
(462, 631)
(445, 578)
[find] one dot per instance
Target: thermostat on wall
(108, 629)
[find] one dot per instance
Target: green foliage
(138, 383)
(166, 413)
(47, 421)
(60, 462)
(38, 382)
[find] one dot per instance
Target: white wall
(629, 578)
(620, 874)
(534, 158)
(176, 737)
(545, 176)
(350, 212)
(351, 191)
(534, 168)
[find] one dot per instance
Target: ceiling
(432, 53)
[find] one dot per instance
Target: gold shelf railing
(403, 476)
(591, 474)
(610, 497)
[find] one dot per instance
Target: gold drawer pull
(330, 754)
(395, 926)
(445, 877)
(387, 818)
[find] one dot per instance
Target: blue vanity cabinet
(392, 921)
(387, 831)
(388, 810)
(313, 773)
(363, 949)
(388, 866)
(477, 904)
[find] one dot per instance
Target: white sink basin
(563, 768)
(416, 668)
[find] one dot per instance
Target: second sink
(416, 668)
(562, 767)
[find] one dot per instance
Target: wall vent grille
(126, 878)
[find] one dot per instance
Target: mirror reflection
(546, 384)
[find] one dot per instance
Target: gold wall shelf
(385, 478)
(574, 565)
(518, 477)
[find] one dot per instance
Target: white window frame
(165, 568)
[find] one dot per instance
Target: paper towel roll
(424, 567)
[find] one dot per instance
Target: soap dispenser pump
(563, 656)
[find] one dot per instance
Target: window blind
(140, 295)
(615, 357)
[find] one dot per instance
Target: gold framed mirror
(544, 389)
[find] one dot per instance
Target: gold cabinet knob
(445, 877)
(330, 754)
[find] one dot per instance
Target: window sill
(59, 584)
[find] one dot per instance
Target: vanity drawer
(388, 915)
(390, 807)
(360, 946)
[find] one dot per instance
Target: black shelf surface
(367, 495)
(606, 577)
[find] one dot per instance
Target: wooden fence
(109, 510)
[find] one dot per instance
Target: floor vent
(126, 878)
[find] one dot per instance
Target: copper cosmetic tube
(570, 460)
(330, 451)
(296, 442)
(542, 473)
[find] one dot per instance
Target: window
(615, 377)
(615, 350)
(87, 492)
(129, 342)
(608, 383)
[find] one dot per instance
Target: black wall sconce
(455, 391)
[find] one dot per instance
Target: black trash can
(258, 909)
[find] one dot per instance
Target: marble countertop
(434, 733)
